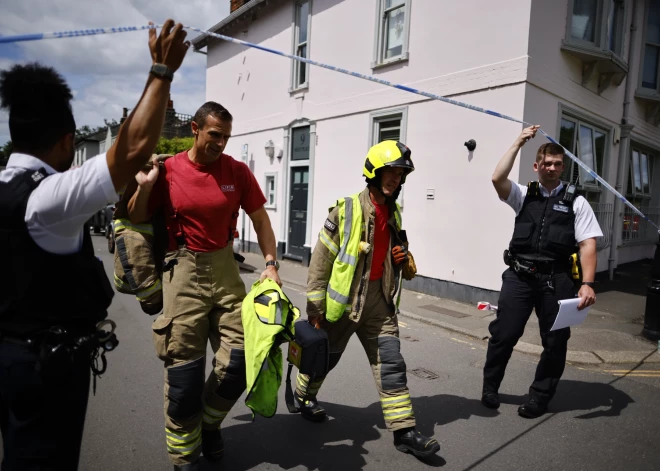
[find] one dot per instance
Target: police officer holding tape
(54, 292)
(552, 223)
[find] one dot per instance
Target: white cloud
(107, 72)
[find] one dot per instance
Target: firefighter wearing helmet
(354, 286)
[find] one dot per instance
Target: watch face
(162, 70)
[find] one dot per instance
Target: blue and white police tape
(72, 34)
(96, 31)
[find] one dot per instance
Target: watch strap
(273, 263)
(161, 70)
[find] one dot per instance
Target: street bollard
(652, 313)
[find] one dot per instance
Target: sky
(107, 72)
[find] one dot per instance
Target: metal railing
(604, 215)
(176, 125)
(637, 230)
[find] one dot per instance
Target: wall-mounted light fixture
(269, 148)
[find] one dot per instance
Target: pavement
(611, 333)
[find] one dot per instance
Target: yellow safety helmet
(388, 154)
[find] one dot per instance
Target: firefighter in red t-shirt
(201, 191)
(353, 287)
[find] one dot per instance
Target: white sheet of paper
(569, 315)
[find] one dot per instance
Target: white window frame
(378, 117)
(634, 230)
(296, 44)
(582, 119)
(601, 34)
(641, 90)
(379, 40)
(268, 176)
(650, 156)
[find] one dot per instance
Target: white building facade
(568, 65)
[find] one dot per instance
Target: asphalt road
(598, 420)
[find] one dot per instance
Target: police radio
(570, 193)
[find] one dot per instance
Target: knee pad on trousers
(234, 381)
(392, 365)
(185, 386)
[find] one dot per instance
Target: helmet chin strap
(376, 183)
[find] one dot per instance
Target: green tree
(5, 152)
(174, 145)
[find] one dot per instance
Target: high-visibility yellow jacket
(339, 271)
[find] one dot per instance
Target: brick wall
(236, 4)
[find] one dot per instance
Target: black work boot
(532, 409)
(310, 409)
(188, 467)
(213, 447)
(410, 440)
(490, 399)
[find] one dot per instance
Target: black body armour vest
(545, 227)
(40, 289)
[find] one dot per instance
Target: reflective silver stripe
(335, 296)
(144, 294)
(263, 299)
(346, 258)
(315, 295)
(348, 223)
(398, 414)
(332, 247)
(395, 401)
(278, 313)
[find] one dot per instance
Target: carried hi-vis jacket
(268, 321)
(339, 271)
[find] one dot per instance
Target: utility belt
(542, 267)
(56, 344)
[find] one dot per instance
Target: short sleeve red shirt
(202, 201)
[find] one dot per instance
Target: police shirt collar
(546, 193)
(28, 162)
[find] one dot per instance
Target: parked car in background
(100, 220)
(109, 231)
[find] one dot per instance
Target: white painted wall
(254, 84)
(475, 51)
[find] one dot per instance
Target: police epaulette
(533, 189)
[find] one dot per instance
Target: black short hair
(39, 103)
(214, 109)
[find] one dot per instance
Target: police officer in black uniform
(552, 223)
(54, 292)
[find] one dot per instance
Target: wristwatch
(162, 71)
(591, 284)
(273, 263)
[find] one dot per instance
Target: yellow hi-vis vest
(268, 318)
(337, 295)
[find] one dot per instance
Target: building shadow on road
(288, 441)
(581, 395)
